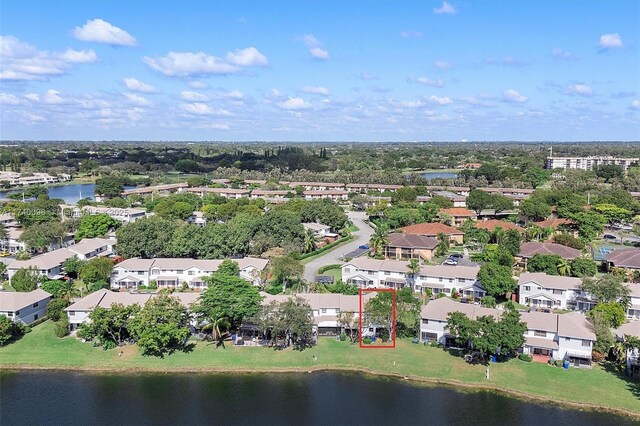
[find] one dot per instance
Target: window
(35, 305)
(324, 310)
(425, 321)
(337, 310)
(586, 343)
(450, 280)
(527, 288)
(191, 272)
(568, 339)
(17, 313)
(440, 279)
(72, 313)
(539, 333)
(557, 291)
(179, 272)
(35, 317)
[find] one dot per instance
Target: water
(31, 397)
(69, 193)
(443, 175)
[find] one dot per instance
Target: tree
(604, 337)
(461, 328)
(109, 327)
(98, 225)
(55, 309)
(443, 246)
(57, 288)
(583, 267)
(146, 238)
(379, 239)
(500, 203)
(568, 240)
(187, 166)
(109, 186)
(512, 241)
(309, 241)
(547, 263)
(479, 200)
(161, 326)
(407, 313)
(40, 236)
(612, 312)
(284, 269)
(511, 331)
(589, 224)
(406, 194)
(171, 209)
(536, 176)
(564, 267)
(378, 311)
(608, 288)
(96, 269)
(609, 171)
(228, 296)
(613, 213)
(295, 321)
(9, 329)
(428, 211)
(228, 267)
(535, 209)
(73, 266)
(25, 280)
(351, 322)
(496, 279)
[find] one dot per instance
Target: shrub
(366, 340)
(597, 356)
(441, 295)
(61, 328)
(384, 335)
(343, 337)
(488, 302)
(525, 357)
(433, 344)
(325, 268)
(274, 289)
(152, 285)
(55, 309)
(558, 363)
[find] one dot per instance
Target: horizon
(426, 72)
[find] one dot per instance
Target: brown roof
(458, 212)
(492, 224)
(367, 264)
(550, 281)
(530, 249)
(553, 223)
(575, 324)
(631, 328)
(11, 301)
(625, 258)
(412, 241)
(439, 309)
(431, 229)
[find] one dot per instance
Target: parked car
(456, 255)
(364, 247)
(4, 253)
(450, 261)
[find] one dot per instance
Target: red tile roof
(553, 223)
(492, 224)
(458, 212)
(431, 229)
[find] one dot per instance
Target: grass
(336, 273)
(41, 348)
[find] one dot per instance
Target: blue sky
(320, 71)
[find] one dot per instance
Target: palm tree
(564, 267)
(498, 235)
(483, 237)
(533, 232)
(216, 325)
(413, 267)
(443, 246)
(379, 239)
(309, 241)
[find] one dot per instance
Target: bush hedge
(325, 248)
(366, 340)
(525, 357)
(325, 268)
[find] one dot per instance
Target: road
(361, 236)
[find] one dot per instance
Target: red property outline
(393, 331)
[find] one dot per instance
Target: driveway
(361, 236)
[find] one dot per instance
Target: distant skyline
(320, 71)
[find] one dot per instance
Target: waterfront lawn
(41, 348)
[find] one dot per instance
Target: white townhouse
(24, 307)
(197, 218)
(124, 215)
(272, 196)
(558, 336)
(172, 272)
(318, 186)
(319, 229)
(159, 189)
(445, 278)
(633, 310)
(78, 312)
(457, 200)
(633, 355)
(335, 194)
(50, 264)
(540, 290)
(373, 273)
(11, 241)
(223, 192)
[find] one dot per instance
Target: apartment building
(587, 163)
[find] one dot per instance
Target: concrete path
(361, 236)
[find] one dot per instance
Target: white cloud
(410, 34)
(100, 31)
(186, 64)
(249, 57)
(313, 44)
(513, 96)
(559, 53)
(21, 61)
(443, 65)
(198, 84)
(316, 90)
(199, 108)
(635, 104)
(579, 89)
(52, 97)
(189, 95)
(294, 104)
(446, 9)
(610, 41)
(136, 99)
(427, 81)
(33, 97)
(136, 85)
(440, 100)
(8, 99)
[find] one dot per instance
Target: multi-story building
(587, 163)
(173, 272)
(449, 280)
(24, 307)
(540, 290)
(373, 273)
(407, 246)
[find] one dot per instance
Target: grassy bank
(592, 388)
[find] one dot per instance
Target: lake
(434, 175)
(34, 397)
(69, 193)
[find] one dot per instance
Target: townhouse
(408, 246)
(50, 264)
(557, 336)
(197, 218)
(449, 280)
(540, 290)
(173, 272)
(456, 199)
(230, 193)
(160, 189)
(24, 307)
(434, 229)
(78, 312)
(458, 215)
(318, 186)
(372, 273)
(23, 179)
(12, 242)
(336, 194)
(319, 230)
(530, 249)
(633, 354)
(124, 215)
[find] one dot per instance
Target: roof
(173, 263)
(625, 258)
(550, 281)
(327, 192)
(445, 271)
(11, 301)
(412, 241)
(315, 226)
(631, 328)
(458, 212)
(575, 325)
(530, 249)
(44, 261)
(492, 224)
(439, 309)
(553, 223)
(378, 265)
(540, 321)
(431, 229)
(344, 302)
(105, 298)
(540, 342)
(89, 245)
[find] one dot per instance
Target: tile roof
(105, 298)
(492, 224)
(625, 258)
(550, 281)
(575, 324)
(530, 249)
(11, 301)
(379, 265)
(44, 261)
(631, 328)
(431, 229)
(458, 212)
(412, 241)
(553, 223)
(446, 271)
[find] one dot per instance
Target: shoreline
(428, 381)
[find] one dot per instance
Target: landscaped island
(595, 388)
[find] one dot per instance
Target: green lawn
(336, 273)
(41, 348)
